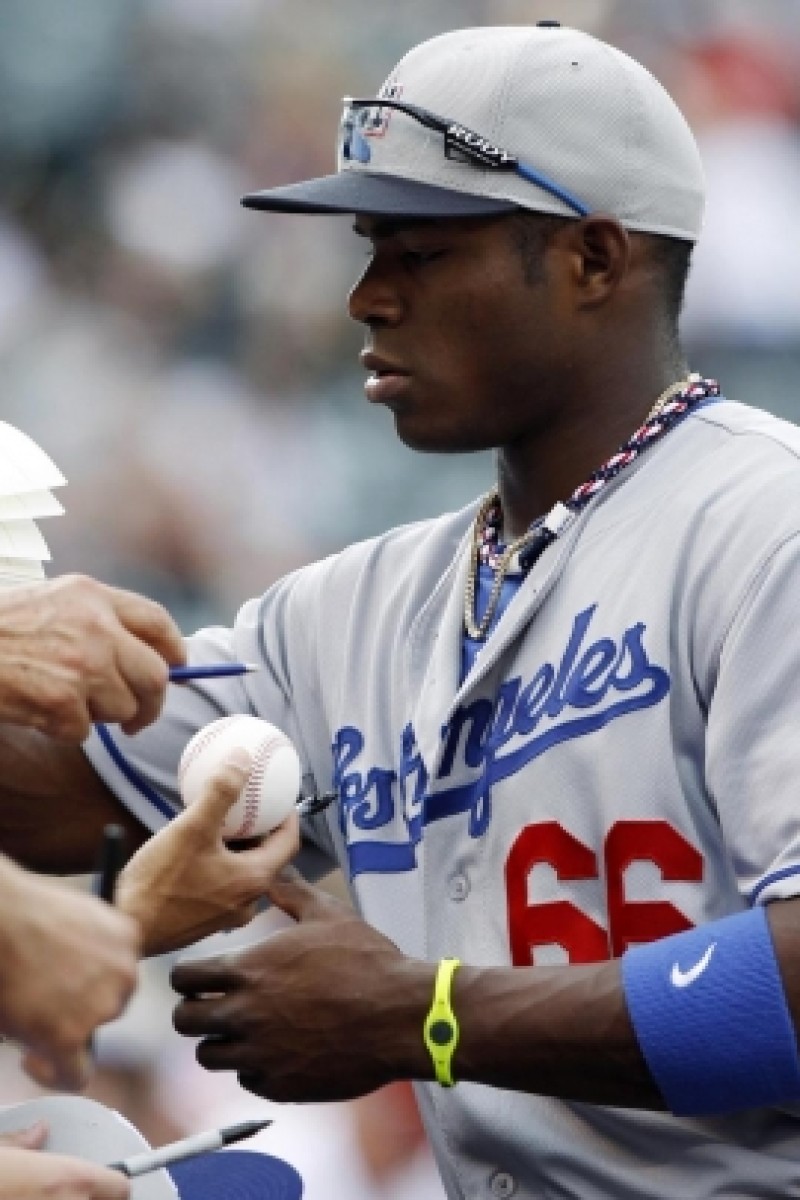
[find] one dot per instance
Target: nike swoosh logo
(682, 979)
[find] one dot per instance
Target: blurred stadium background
(190, 368)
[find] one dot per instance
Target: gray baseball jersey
(621, 763)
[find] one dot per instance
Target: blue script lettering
(367, 802)
(584, 679)
(601, 681)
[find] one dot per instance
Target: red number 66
(562, 923)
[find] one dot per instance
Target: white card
(22, 539)
(21, 570)
(30, 504)
(24, 466)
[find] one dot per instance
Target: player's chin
(427, 437)
(429, 429)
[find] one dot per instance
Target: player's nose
(373, 299)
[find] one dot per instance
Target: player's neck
(535, 473)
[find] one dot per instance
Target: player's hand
(327, 1010)
(186, 882)
(67, 964)
(73, 651)
(26, 1175)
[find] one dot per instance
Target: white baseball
(272, 787)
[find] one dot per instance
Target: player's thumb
(222, 788)
(289, 891)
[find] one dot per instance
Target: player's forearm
(560, 1031)
(53, 805)
(329, 1009)
(784, 921)
(569, 1031)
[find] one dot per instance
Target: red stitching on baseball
(252, 789)
(203, 739)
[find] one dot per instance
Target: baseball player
(562, 722)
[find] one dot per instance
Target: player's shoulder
(417, 548)
(743, 462)
(729, 474)
(742, 475)
(752, 433)
(315, 609)
(419, 551)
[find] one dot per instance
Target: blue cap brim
(236, 1175)
(373, 195)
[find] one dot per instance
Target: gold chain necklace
(666, 395)
(477, 630)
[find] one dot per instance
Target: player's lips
(387, 380)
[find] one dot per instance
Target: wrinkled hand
(73, 651)
(26, 1175)
(327, 1010)
(187, 883)
(67, 964)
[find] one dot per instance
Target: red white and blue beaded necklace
(672, 405)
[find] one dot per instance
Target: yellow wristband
(440, 1030)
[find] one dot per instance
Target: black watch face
(440, 1032)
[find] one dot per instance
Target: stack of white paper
(26, 476)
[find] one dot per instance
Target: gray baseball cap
(480, 121)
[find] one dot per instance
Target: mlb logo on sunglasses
(360, 122)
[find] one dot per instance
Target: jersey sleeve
(753, 740)
(142, 770)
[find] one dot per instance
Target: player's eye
(419, 257)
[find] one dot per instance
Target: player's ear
(600, 258)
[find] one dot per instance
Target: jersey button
(458, 887)
(502, 1185)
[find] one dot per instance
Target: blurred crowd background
(191, 369)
